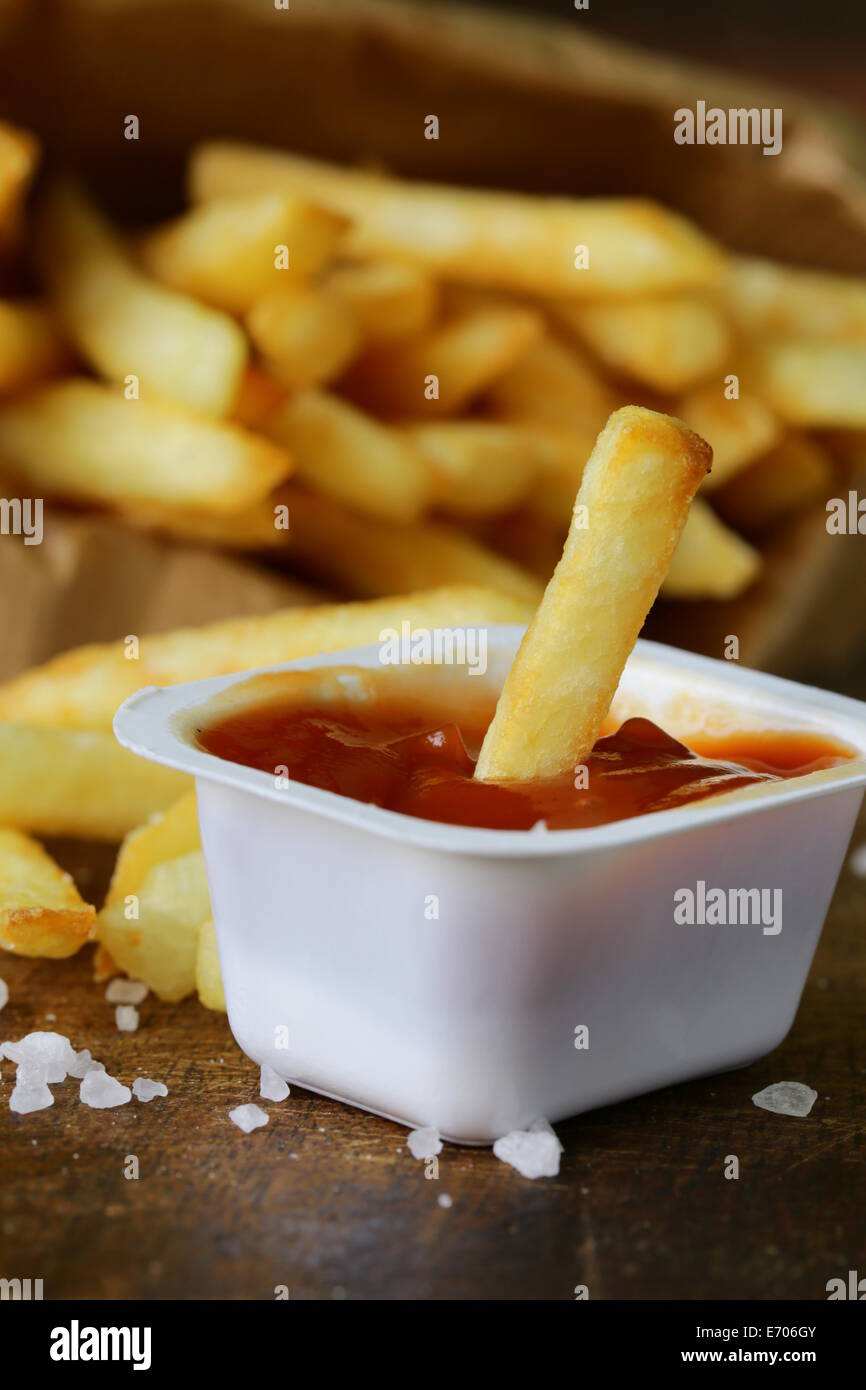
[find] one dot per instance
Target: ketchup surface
(402, 760)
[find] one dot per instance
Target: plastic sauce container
(552, 975)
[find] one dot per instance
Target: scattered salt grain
(123, 991)
(424, 1143)
(248, 1117)
(126, 1018)
(272, 1086)
(31, 1090)
(443, 1200)
(786, 1098)
(84, 1063)
(4, 994)
(534, 1152)
(50, 1051)
(145, 1089)
(102, 1091)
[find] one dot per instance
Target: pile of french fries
(395, 387)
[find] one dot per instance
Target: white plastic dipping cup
(467, 1020)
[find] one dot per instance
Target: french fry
(668, 343)
(254, 528)
(481, 467)
(82, 688)
(351, 457)
(306, 335)
(31, 348)
(798, 471)
(154, 938)
(41, 910)
(389, 300)
(556, 398)
(739, 431)
(809, 382)
(553, 384)
(629, 515)
(233, 252)
(81, 439)
(208, 977)
(126, 325)
(19, 156)
(369, 557)
(711, 561)
(167, 835)
(441, 372)
(258, 397)
(78, 782)
(767, 298)
(508, 240)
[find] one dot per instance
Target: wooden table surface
(324, 1201)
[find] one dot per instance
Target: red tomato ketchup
(402, 759)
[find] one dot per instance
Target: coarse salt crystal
(123, 991)
(102, 1091)
(50, 1051)
(248, 1117)
(272, 1086)
(84, 1063)
(126, 1018)
(30, 1091)
(534, 1152)
(786, 1098)
(443, 1200)
(425, 1142)
(145, 1089)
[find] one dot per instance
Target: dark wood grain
(323, 1201)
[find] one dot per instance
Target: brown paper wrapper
(523, 104)
(92, 580)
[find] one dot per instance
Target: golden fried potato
(628, 517)
(41, 910)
